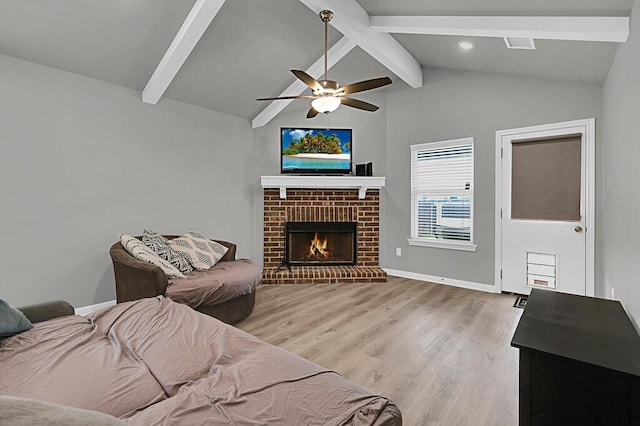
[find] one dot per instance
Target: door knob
(578, 229)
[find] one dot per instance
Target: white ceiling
(119, 41)
(251, 45)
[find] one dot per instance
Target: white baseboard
(86, 310)
(488, 288)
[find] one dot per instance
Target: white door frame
(588, 131)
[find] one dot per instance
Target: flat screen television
(315, 151)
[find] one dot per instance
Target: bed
(157, 362)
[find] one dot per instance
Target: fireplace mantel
(361, 183)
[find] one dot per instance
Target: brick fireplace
(342, 205)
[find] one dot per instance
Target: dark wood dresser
(579, 362)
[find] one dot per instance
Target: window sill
(465, 246)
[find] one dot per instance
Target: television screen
(315, 151)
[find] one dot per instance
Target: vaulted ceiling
(248, 49)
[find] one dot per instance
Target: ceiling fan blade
(355, 103)
(307, 79)
(361, 86)
(312, 113)
(286, 97)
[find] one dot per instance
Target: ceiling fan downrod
(326, 16)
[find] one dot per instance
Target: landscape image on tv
(316, 150)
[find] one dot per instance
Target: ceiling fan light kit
(325, 104)
(327, 95)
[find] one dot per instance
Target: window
(442, 194)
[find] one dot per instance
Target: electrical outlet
(398, 251)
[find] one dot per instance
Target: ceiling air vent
(520, 43)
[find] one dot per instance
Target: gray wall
(454, 105)
(621, 174)
(83, 160)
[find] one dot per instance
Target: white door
(544, 210)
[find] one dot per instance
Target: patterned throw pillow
(137, 249)
(201, 252)
(160, 245)
(217, 250)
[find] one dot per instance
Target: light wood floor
(440, 353)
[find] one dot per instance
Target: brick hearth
(340, 205)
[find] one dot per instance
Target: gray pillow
(12, 321)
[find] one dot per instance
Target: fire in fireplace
(318, 248)
(321, 243)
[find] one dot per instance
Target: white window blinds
(442, 190)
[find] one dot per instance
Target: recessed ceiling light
(466, 45)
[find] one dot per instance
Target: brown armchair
(136, 279)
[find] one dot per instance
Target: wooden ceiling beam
(575, 28)
(193, 27)
(353, 21)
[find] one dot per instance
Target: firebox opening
(321, 243)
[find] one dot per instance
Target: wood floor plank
(441, 353)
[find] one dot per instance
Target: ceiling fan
(327, 94)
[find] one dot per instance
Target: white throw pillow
(137, 249)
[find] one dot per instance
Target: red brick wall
(318, 205)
